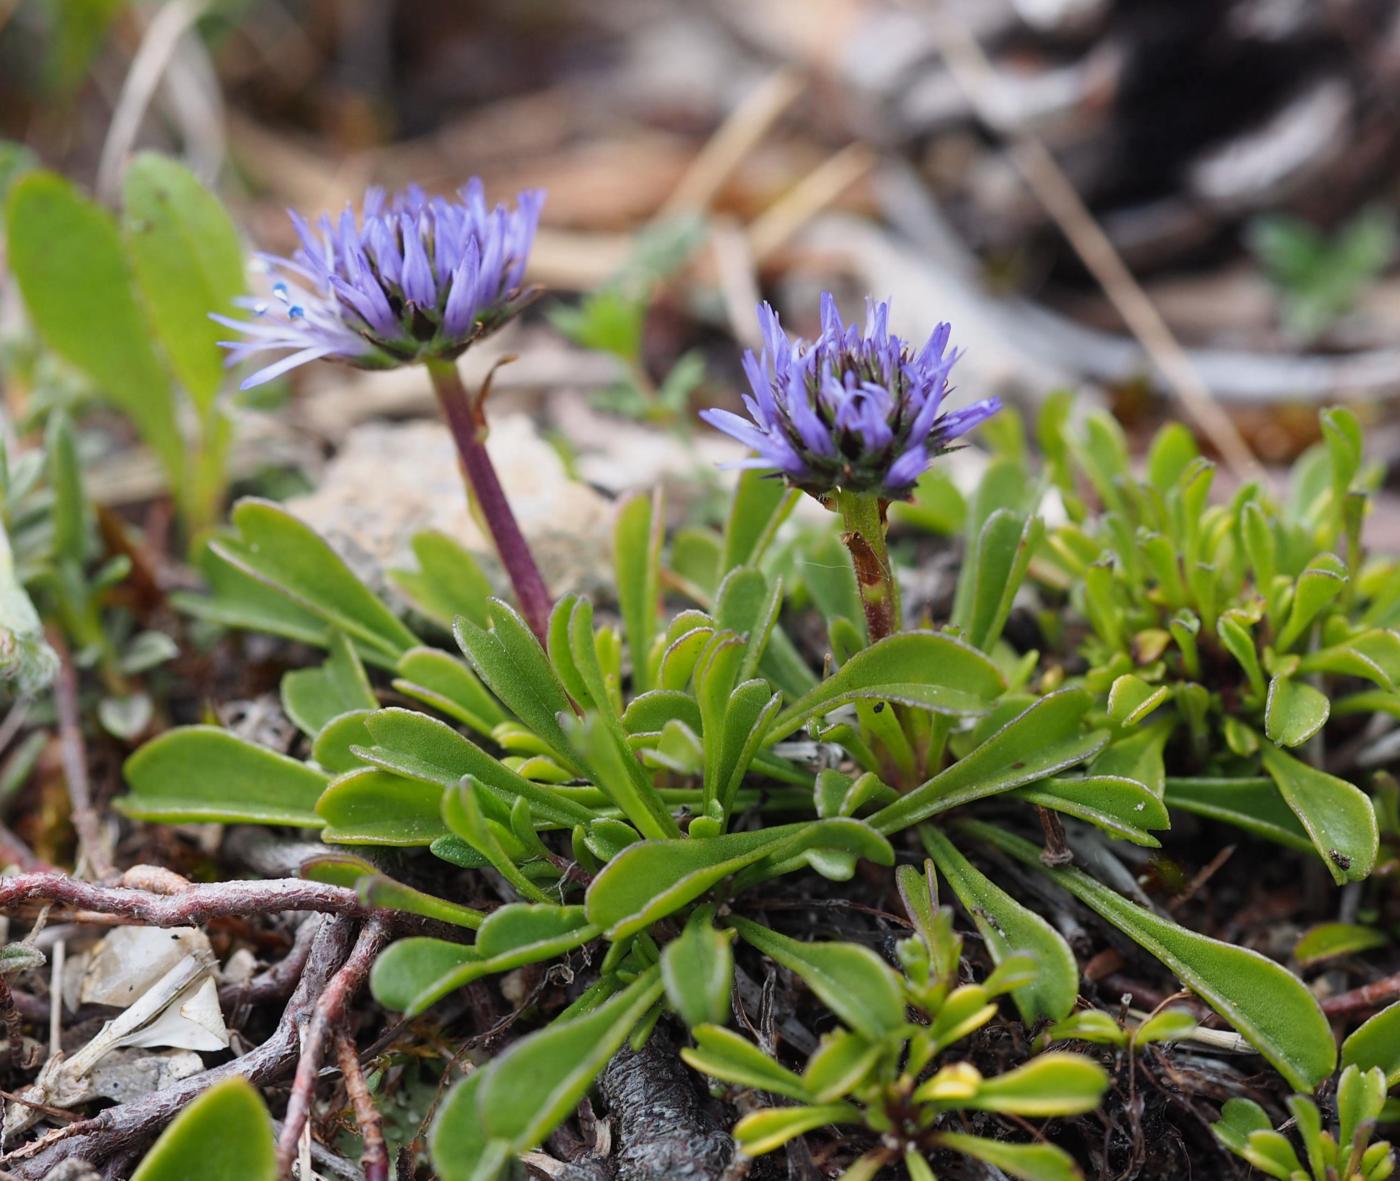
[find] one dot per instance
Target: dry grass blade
(739, 134)
(1047, 181)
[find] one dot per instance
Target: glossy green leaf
(1239, 642)
(997, 568)
(840, 1063)
(1088, 1025)
(651, 879)
(533, 1087)
(188, 262)
(515, 668)
(1051, 1084)
(637, 562)
(723, 1054)
(1251, 804)
(464, 814)
(1316, 586)
(448, 581)
(1295, 711)
(749, 605)
(697, 968)
(1360, 1098)
(1130, 699)
(622, 778)
(281, 552)
(851, 980)
(1030, 1162)
(224, 1135)
(412, 974)
(203, 773)
(373, 807)
(1008, 929)
(311, 697)
(759, 506)
(1042, 740)
(1168, 1025)
(1374, 655)
(1267, 1004)
(377, 889)
(926, 670)
(1138, 755)
(1337, 816)
(1342, 434)
(446, 684)
(1376, 1043)
(69, 263)
(412, 744)
(1325, 941)
(1172, 450)
(772, 1127)
(1121, 807)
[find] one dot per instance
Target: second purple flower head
(852, 411)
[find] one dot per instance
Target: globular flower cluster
(413, 278)
(852, 411)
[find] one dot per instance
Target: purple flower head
(411, 278)
(851, 411)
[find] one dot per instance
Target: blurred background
(1183, 207)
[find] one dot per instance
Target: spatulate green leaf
(202, 773)
(1267, 1004)
(71, 268)
(188, 263)
(1337, 816)
(851, 980)
(926, 670)
(1009, 929)
(224, 1135)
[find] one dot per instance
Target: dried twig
(1368, 996)
(1203, 875)
(1044, 177)
(157, 46)
(278, 982)
(738, 284)
(75, 770)
(13, 851)
(328, 1013)
(197, 904)
(375, 1158)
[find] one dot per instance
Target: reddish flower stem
(466, 419)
